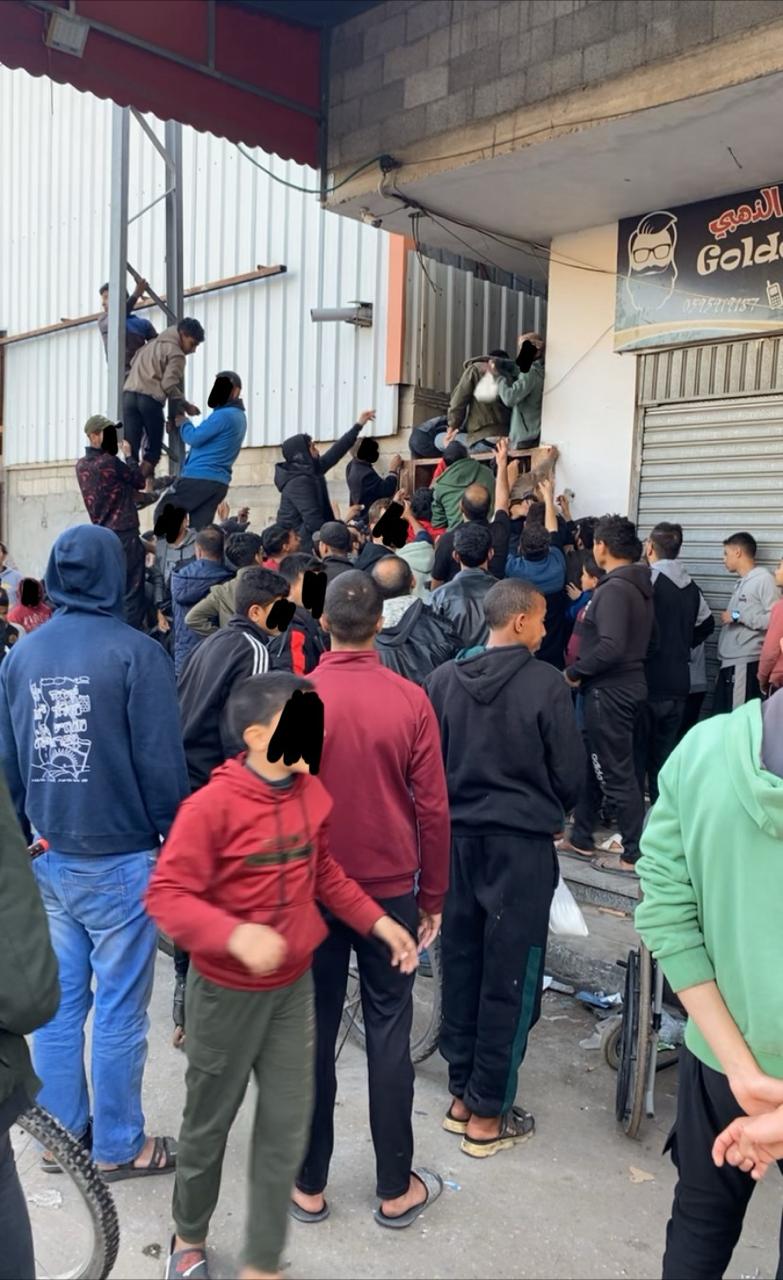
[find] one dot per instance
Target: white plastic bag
(486, 388)
(565, 917)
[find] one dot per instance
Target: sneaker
(190, 1262)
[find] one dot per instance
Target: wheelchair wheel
(427, 1013)
(634, 1043)
(612, 1047)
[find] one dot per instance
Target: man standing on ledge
(157, 374)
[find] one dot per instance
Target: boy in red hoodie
(237, 885)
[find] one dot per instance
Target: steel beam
(175, 286)
(118, 258)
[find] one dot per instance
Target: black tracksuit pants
(387, 1006)
(493, 947)
(709, 1203)
(611, 714)
(142, 423)
(658, 732)
(735, 686)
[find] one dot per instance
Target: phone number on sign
(704, 304)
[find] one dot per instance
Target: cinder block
(474, 69)
(405, 61)
(384, 102)
(541, 11)
(347, 51)
(361, 80)
(561, 7)
(693, 22)
(542, 42)
(438, 47)
(485, 100)
(595, 61)
(539, 82)
(426, 16)
(624, 52)
(480, 28)
(408, 127)
(634, 13)
(426, 86)
(729, 17)
(567, 71)
(660, 40)
(449, 113)
(565, 38)
(592, 24)
(383, 35)
(360, 145)
(345, 116)
(509, 20)
(512, 92)
(515, 53)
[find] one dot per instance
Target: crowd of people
(374, 731)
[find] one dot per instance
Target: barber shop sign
(700, 271)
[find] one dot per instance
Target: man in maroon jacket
(383, 768)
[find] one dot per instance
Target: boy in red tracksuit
(237, 885)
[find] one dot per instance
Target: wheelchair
(632, 1047)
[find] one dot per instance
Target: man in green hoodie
(712, 883)
(461, 471)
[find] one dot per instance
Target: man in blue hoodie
(213, 448)
(88, 711)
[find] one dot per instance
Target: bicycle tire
(635, 1041)
(425, 1041)
(77, 1164)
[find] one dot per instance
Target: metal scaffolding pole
(118, 258)
(175, 284)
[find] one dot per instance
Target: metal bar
(151, 205)
(174, 265)
(248, 277)
(122, 37)
(211, 34)
(323, 124)
(118, 258)
(153, 137)
(155, 297)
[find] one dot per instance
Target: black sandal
(517, 1125)
(162, 1160)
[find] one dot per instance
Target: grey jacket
(753, 598)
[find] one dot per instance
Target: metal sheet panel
(714, 468)
(299, 376)
(451, 315)
(750, 368)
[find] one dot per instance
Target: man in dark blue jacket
(91, 746)
(192, 583)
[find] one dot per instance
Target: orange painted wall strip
(395, 311)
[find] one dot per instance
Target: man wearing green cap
(109, 487)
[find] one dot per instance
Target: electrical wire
(548, 391)
(294, 186)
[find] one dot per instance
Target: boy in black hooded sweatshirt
(304, 497)
(507, 796)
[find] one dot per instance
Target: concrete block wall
(411, 69)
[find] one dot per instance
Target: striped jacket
(233, 653)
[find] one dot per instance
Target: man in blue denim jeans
(91, 746)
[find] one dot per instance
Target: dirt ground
(580, 1200)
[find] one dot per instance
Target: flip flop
(451, 1124)
(299, 1214)
(162, 1160)
(565, 846)
(190, 1262)
(614, 844)
(612, 866)
(517, 1125)
(433, 1185)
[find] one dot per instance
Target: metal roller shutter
(715, 467)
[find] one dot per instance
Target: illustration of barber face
(652, 270)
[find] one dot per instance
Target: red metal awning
(236, 72)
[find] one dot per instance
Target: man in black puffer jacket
(304, 497)
(413, 641)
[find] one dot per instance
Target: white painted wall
(589, 391)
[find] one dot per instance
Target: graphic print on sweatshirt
(62, 748)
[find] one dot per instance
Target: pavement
(579, 1200)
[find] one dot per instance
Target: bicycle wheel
(427, 1014)
(76, 1232)
(634, 1041)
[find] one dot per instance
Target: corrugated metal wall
(451, 316)
(748, 368)
(54, 229)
